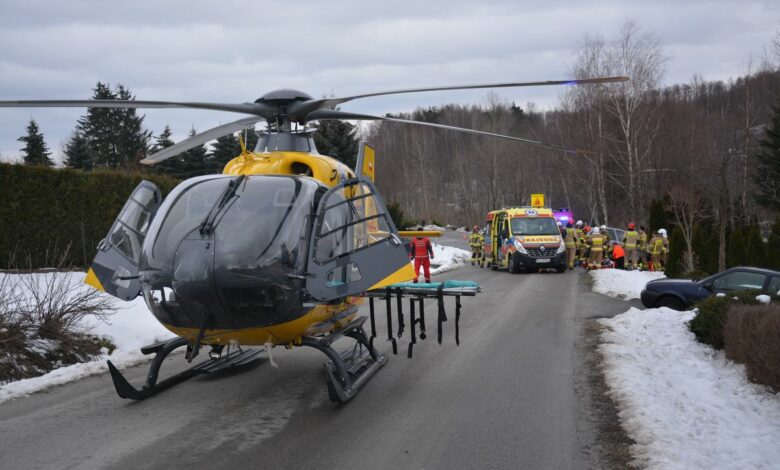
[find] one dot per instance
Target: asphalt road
(505, 398)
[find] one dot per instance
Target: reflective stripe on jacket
(421, 247)
(570, 238)
(630, 239)
(597, 243)
(643, 241)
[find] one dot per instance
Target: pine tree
(35, 150)
(226, 149)
(133, 140)
(735, 251)
(658, 218)
(705, 245)
(337, 139)
(171, 166)
(77, 152)
(773, 247)
(676, 265)
(97, 127)
(767, 175)
(195, 161)
(755, 250)
(116, 136)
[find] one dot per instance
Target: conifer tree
(773, 247)
(705, 246)
(116, 136)
(767, 175)
(676, 265)
(225, 149)
(35, 150)
(172, 165)
(195, 161)
(77, 152)
(337, 139)
(755, 250)
(133, 140)
(735, 251)
(97, 127)
(658, 217)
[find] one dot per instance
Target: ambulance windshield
(534, 226)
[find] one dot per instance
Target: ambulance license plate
(543, 260)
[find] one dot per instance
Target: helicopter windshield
(262, 225)
(265, 227)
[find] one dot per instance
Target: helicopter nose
(193, 276)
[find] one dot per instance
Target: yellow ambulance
(523, 239)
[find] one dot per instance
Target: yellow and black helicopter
(278, 250)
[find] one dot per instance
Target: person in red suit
(422, 254)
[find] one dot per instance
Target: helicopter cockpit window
(186, 213)
(343, 275)
(264, 230)
(353, 219)
(129, 233)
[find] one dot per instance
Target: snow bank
(621, 284)
(130, 328)
(685, 404)
(448, 258)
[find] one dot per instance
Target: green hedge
(708, 324)
(43, 210)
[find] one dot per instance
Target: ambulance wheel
(560, 268)
(514, 264)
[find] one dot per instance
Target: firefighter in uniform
(582, 245)
(655, 246)
(630, 241)
(596, 242)
(664, 247)
(570, 241)
(475, 243)
(642, 247)
(607, 245)
(422, 254)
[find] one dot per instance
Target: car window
(774, 285)
(739, 281)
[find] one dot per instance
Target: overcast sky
(235, 51)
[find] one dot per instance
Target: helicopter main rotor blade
(247, 108)
(330, 115)
(305, 107)
(200, 139)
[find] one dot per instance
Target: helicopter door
(115, 268)
(355, 246)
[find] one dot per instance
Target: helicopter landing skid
(236, 358)
(348, 371)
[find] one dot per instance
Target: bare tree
(640, 57)
(687, 206)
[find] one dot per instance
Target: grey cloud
(190, 50)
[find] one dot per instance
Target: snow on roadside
(621, 284)
(685, 404)
(130, 328)
(448, 258)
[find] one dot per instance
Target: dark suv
(679, 294)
